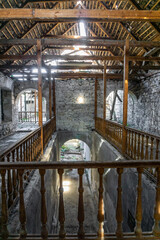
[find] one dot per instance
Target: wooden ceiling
(121, 30)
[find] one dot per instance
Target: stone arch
(64, 136)
(118, 109)
(20, 86)
(30, 92)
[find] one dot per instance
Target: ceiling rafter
(136, 5)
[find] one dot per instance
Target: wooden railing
(27, 149)
(20, 168)
(110, 130)
(140, 145)
(30, 116)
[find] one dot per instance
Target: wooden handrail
(144, 133)
(80, 166)
(18, 143)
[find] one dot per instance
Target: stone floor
(10, 140)
(71, 184)
(22, 130)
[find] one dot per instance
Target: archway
(27, 106)
(114, 107)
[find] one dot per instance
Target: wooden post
(50, 90)
(156, 227)
(35, 104)
(61, 205)
(39, 63)
(95, 98)
(104, 95)
(20, 109)
(100, 205)
(54, 99)
(125, 95)
(4, 230)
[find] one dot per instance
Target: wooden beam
(78, 66)
(125, 96)
(78, 41)
(77, 57)
(94, 15)
(39, 65)
(104, 92)
(86, 75)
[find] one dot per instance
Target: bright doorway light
(66, 185)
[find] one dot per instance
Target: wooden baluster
(44, 231)
(32, 147)
(30, 151)
(119, 215)
(62, 233)
(151, 154)
(146, 153)
(80, 204)
(14, 177)
(24, 152)
(138, 150)
(156, 227)
(157, 149)
(9, 183)
(135, 145)
(132, 144)
(142, 146)
(21, 153)
(138, 229)
(4, 230)
(22, 212)
(100, 204)
(129, 142)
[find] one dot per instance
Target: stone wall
(143, 102)
(147, 114)
(71, 115)
(103, 151)
(7, 125)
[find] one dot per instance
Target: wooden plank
(125, 96)
(39, 65)
(104, 92)
(78, 14)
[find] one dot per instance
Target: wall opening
(6, 105)
(27, 105)
(114, 107)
